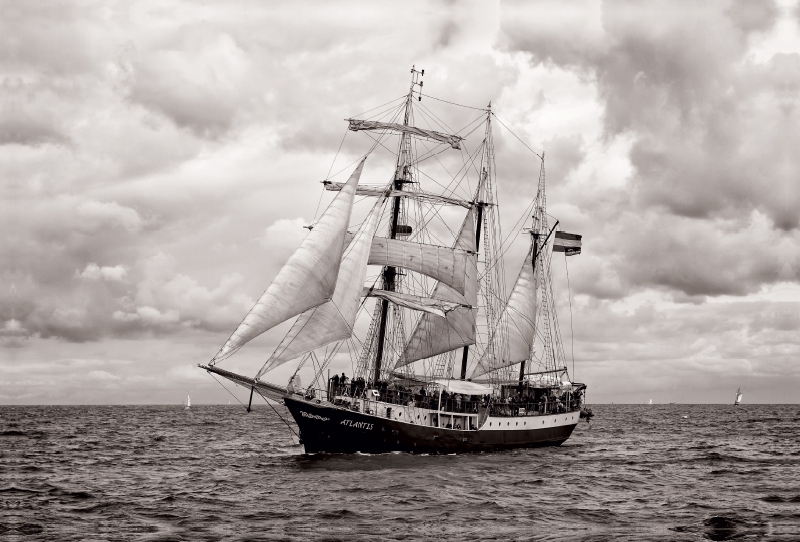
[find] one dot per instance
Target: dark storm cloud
(134, 105)
(713, 134)
(18, 127)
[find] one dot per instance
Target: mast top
(415, 80)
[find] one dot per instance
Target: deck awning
(463, 386)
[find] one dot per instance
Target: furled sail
(452, 140)
(444, 264)
(438, 307)
(434, 335)
(389, 192)
(307, 279)
(514, 335)
(332, 321)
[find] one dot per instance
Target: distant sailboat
(188, 402)
(738, 397)
(651, 402)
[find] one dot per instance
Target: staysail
(332, 321)
(434, 335)
(309, 276)
(513, 337)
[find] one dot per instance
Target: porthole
(542, 422)
(508, 423)
(524, 423)
(516, 423)
(490, 424)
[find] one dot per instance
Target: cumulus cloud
(199, 80)
(155, 160)
(95, 272)
(97, 214)
(712, 136)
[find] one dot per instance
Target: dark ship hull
(325, 428)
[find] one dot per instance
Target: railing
(347, 396)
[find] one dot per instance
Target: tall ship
(738, 397)
(443, 356)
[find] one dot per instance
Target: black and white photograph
(373, 271)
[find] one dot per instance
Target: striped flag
(569, 243)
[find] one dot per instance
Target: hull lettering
(357, 425)
(314, 416)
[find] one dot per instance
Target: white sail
(434, 335)
(333, 321)
(188, 401)
(309, 276)
(445, 264)
(516, 329)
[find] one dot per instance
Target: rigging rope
(322, 193)
(265, 400)
(226, 389)
(453, 103)
(571, 332)
(277, 413)
(515, 135)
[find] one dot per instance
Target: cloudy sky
(158, 161)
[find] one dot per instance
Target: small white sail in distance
(307, 279)
(188, 402)
(738, 396)
(332, 321)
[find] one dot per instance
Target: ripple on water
(162, 473)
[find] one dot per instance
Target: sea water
(637, 472)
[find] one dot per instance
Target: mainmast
(479, 203)
(402, 176)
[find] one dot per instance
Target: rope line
(226, 389)
(571, 332)
(515, 135)
(277, 413)
(453, 103)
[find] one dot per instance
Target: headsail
(307, 279)
(434, 335)
(332, 321)
(517, 325)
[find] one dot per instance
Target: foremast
(402, 176)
